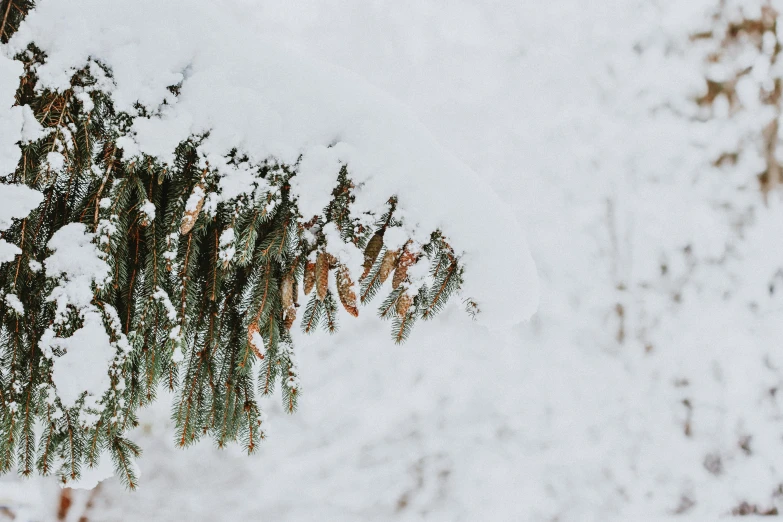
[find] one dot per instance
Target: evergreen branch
(444, 289)
(123, 453)
(185, 306)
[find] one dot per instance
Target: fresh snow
(660, 274)
(250, 93)
(8, 251)
(16, 305)
(11, 118)
(17, 201)
(76, 264)
(148, 209)
(92, 476)
(84, 366)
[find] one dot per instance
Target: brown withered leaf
(309, 277)
(331, 260)
(403, 304)
(289, 316)
(254, 338)
(287, 292)
(345, 290)
(321, 275)
(401, 272)
(296, 292)
(387, 264)
(191, 216)
(371, 252)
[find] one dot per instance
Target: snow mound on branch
(15, 126)
(83, 367)
(251, 94)
(15, 304)
(11, 118)
(92, 476)
(17, 123)
(16, 201)
(8, 251)
(76, 262)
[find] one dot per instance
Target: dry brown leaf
(309, 277)
(254, 339)
(401, 272)
(289, 317)
(371, 252)
(321, 275)
(387, 264)
(345, 290)
(287, 291)
(403, 304)
(191, 216)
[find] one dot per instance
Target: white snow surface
(84, 366)
(661, 291)
(92, 476)
(12, 300)
(16, 201)
(11, 118)
(76, 265)
(269, 102)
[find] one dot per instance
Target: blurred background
(639, 143)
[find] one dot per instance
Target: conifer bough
(185, 288)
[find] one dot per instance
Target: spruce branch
(202, 288)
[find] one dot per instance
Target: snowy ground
(630, 394)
